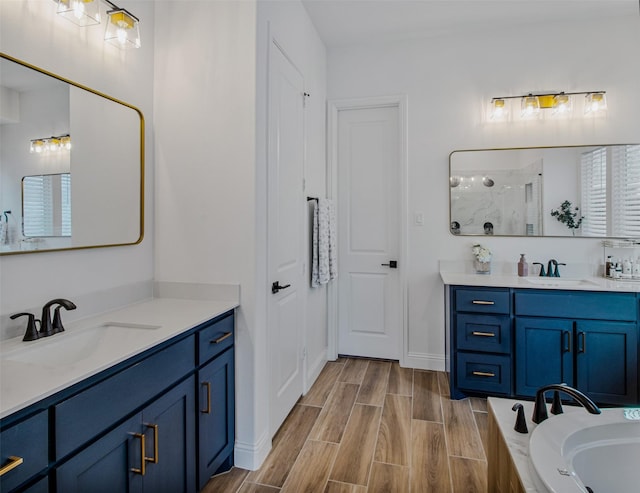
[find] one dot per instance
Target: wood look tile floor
(369, 426)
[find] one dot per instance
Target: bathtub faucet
(540, 407)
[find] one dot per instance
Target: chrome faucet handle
(31, 334)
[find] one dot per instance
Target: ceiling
(343, 22)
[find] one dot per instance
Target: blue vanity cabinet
(152, 451)
(588, 340)
(24, 452)
(481, 346)
(216, 404)
(544, 353)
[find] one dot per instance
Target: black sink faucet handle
(542, 272)
(31, 334)
(521, 421)
(556, 272)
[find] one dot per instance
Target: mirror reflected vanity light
(53, 127)
(511, 192)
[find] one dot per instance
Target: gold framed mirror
(52, 126)
(589, 191)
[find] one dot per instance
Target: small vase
(482, 267)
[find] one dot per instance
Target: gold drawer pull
(483, 374)
(480, 302)
(483, 334)
(154, 459)
(221, 338)
(12, 464)
(208, 409)
(143, 463)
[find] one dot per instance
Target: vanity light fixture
(80, 12)
(122, 29)
(50, 144)
(543, 105)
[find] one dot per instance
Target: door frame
(334, 106)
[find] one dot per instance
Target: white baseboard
(314, 369)
(251, 456)
(425, 361)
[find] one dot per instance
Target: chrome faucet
(540, 407)
(49, 327)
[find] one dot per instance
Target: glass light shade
(37, 146)
(498, 110)
(562, 105)
(530, 107)
(65, 142)
(595, 103)
(53, 144)
(122, 29)
(80, 12)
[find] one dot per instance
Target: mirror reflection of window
(46, 205)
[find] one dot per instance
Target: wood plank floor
(369, 426)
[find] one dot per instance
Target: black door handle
(275, 287)
(393, 264)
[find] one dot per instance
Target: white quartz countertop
(581, 283)
(138, 327)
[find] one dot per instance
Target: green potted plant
(568, 215)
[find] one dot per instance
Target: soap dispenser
(523, 266)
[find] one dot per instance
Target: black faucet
(540, 407)
(542, 272)
(47, 327)
(31, 334)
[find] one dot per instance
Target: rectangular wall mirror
(594, 191)
(83, 148)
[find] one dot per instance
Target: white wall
(31, 31)
(448, 81)
(210, 128)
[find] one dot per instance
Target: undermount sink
(71, 347)
(559, 281)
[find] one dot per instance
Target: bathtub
(573, 451)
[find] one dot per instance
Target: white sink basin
(70, 347)
(559, 282)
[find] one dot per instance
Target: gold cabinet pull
(143, 463)
(154, 459)
(483, 334)
(484, 374)
(13, 462)
(221, 338)
(208, 409)
(481, 302)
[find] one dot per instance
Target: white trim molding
(251, 456)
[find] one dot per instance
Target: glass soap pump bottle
(523, 266)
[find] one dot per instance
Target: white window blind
(625, 183)
(46, 205)
(594, 192)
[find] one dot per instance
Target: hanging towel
(324, 262)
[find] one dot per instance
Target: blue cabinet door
(607, 361)
(544, 353)
(106, 465)
(216, 424)
(169, 427)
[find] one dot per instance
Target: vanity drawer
(482, 301)
(214, 339)
(489, 373)
(576, 304)
(28, 441)
(491, 333)
(119, 395)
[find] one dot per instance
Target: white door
(369, 178)
(286, 206)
